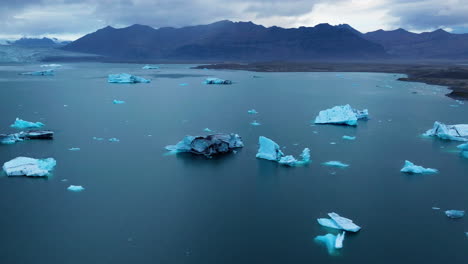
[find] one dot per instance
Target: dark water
(141, 206)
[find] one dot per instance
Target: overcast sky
(71, 19)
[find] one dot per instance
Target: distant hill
(226, 40)
(38, 42)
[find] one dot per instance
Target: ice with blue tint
(182, 146)
(339, 240)
(53, 65)
(449, 132)
(25, 135)
(150, 67)
(114, 140)
(75, 188)
(183, 84)
(207, 130)
(10, 139)
(338, 222)
(349, 137)
(217, 81)
(126, 78)
(409, 167)
(455, 213)
(255, 123)
(98, 138)
(268, 149)
(252, 111)
(49, 72)
(74, 149)
(341, 115)
(329, 240)
(24, 166)
(22, 124)
(464, 150)
(118, 102)
(335, 163)
(208, 145)
(289, 160)
(327, 222)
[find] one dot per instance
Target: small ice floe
(455, 213)
(22, 124)
(334, 163)
(49, 72)
(331, 242)
(349, 137)
(98, 138)
(53, 65)
(114, 140)
(24, 166)
(449, 132)
(126, 78)
(464, 150)
(208, 145)
(118, 102)
(269, 150)
(452, 105)
(74, 149)
(338, 222)
(409, 167)
(435, 208)
(75, 188)
(183, 84)
(150, 67)
(332, 143)
(339, 240)
(252, 111)
(21, 136)
(207, 130)
(341, 115)
(255, 123)
(217, 81)
(459, 102)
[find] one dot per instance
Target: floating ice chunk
(349, 137)
(332, 143)
(75, 188)
(217, 81)
(335, 163)
(49, 72)
(183, 84)
(126, 78)
(464, 150)
(23, 166)
(344, 223)
(341, 115)
(255, 123)
(207, 130)
(114, 140)
(329, 240)
(53, 65)
(118, 102)
(21, 136)
(449, 132)
(455, 213)
(208, 145)
(21, 124)
(339, 240)
(268, 149)
(252, 111)
(409, 167)
(150, 67)
(435, 208)
(98, 138)
(74, 149)
(327, 222)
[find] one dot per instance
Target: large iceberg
(23, 166)
(449, 132)
(338, 222)
(217, 81)
(455, 213)
(22, 124)
(409, 167)
(49, 72)
(269, 150)
(13, 138)
(126, 78)
(341, 115)
(208, 145)
(150, 67)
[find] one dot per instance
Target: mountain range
(246, 41)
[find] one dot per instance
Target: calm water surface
(142, 206)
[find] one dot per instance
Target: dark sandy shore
(454, 76)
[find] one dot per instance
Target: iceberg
(23, 166)
(339, 240)
(409, 167)
(252, 111)
(75, 188)
(74, 149)
(335, 163)
(49, 72)
(349, 137)
(455, 213)
(291, 161)
(53, 65)
(98, 138)
(208, 145)
(338, 222)
(330, 241)
(449, 132)
(207, 130)
(268, 149)
(22, 124)
(21, 136)
(341, 115)
(255, 123)
(126, 78)
(114, 140)
(217, 81)
(150, 67)
(183, 84)
(464, 150)
(118, 102)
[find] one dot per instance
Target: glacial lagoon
(142, 205)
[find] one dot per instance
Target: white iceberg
(409, 167)
(118, 102)
(217, 81)
(23, 166)
(252, 111)
(455, 213)
(335, 163)
(341, 115)
(126, 78)
(291, 161)
(339, 240)
(449, 132)
(75, 188)
(49, 72)
(150, 67)
(268, 149)
(208, 145)
(22, 124)
(338, 222)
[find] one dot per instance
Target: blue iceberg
(74, 149)
(464, 150)
(455, 213)
(49, 72)
(252, 111)
(349, 137)
(409, 167)
(207, 130)
(269, 150)
(21, 136)
(118, 102)
(255, 123)
(75, 188)
(21, 124)
(291, 161)
(150, 67)
(208, 145)
(217, 81)
(335, 163)
(329, 241)
(24, 166)
(126, 78)
(449, 132)
(338, 222)
(339, 240)
(114, 140)
(341, 115)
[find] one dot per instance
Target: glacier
(126, 78)
(21, 136)
(409, 167)
(449, 132)
(270, 150)
(208, 145)
(49, 72)
(22, 124)
(75, 188)
(217, 81)
(341, 115)
(335, 163)
(338, 222)
(24, 166)
(455, 213)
